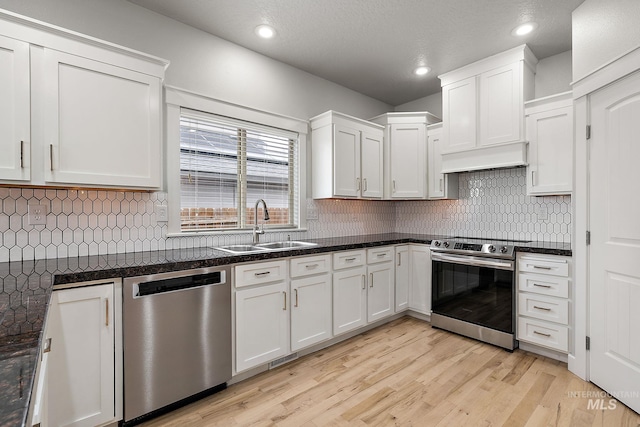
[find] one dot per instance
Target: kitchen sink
(241, 249)
(264, 247)
(287, 244)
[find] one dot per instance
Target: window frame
(176, 99)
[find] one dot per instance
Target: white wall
(431, 103)
(553, 75)
(603, 30)
(200, 62)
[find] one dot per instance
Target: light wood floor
(405, 373)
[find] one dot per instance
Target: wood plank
(406, 373)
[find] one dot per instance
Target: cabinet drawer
(543, 307)
(546, 285)
(348, 259)
(307, 266)
(543, 333)
(547, 266)
(263, 272)
(383, 254)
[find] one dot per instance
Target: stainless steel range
(473, 288)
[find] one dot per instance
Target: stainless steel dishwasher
(177, 339)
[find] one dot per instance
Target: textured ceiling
(372, 46)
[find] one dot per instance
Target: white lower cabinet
(81, 365)
(310, 301)
(381, 283)
(349, 299)
(403, 272)
(261, 313)
(420, 279)
(544, 301)
(262, 325)
(413, 278)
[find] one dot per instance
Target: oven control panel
(493, 250)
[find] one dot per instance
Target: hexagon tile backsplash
(97, 222)
(492, 204)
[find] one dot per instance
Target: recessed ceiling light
(421, 71)
(524, 29)
(265, 31)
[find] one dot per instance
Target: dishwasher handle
(162, 286)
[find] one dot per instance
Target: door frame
(619, 67)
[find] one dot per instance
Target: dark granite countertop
(27, 287)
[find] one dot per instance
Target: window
(226, 165)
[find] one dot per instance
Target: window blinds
(226, 165)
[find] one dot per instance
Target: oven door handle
(473, 261)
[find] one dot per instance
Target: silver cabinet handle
(533, 178)
(393, 182)
(441, 184)
(350, 259)
(371, 284)
(296, 291)
(381, 255)
(541, 286)
(284, 307)
(363, 282)
(541, 308)
(399, 259)
(540, 333)
(106, 312)
(51, 155)
(365, 184)
(21, 154)
(541, 267)
(264, 273)
(357, 183)
(311, 266)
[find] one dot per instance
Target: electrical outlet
(162, 213)
(541, 213)
(312, 213)
(37, 214)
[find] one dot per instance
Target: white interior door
(614, 267)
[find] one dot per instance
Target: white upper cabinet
(346, 157)
(371, 164)
(441, 186)
(459, 112)
(405, 154)
(14, 110)
(483, 111)
(102, 123)
(76, 111)
(550, 133)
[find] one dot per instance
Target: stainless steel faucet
(256, 232)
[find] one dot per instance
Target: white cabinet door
(349, 300)
(501, 105)
(81, 362)
(310, 311)
(402, 278)
(459, 111)
(262, 325)
(14, 110)
(371, 164)
(420, 283)
(408, 161)
(346, 161)
(102, 123)
(440, 185)
(550, 135)
(381, 292)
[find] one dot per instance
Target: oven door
(475, 290)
